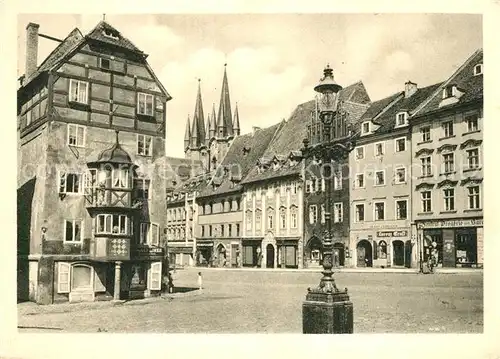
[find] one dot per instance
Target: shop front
(452, 243)
(180, 256)
(288, 252)
(252, 252)
(204, 253)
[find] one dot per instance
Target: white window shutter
(62, 181)
(155, 276)
(63, 277)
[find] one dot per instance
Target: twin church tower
(208, 141)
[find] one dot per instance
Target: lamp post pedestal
(327, 310)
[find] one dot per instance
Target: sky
(275, 60)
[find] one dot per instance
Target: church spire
(187, 134)
(213, 125)
(207, 131)
(224, 118)
(198, 129)
(236, 121)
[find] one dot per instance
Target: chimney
(255, 129)
(410, 88)
(31, 49)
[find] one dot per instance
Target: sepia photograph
(314, 173)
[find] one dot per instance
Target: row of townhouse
(412, 186)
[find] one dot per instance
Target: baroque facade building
(380, 188)
(447, 150)
(91, 196)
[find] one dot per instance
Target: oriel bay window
(120, 178)
(113, 224)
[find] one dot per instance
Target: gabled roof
(378, 106)
(290, 137)
(97, 33)
(240, 159)
(387, 120)
(69, 43)
(464, 79)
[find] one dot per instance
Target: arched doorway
(408, 253)
(270, 256)
(398, 251)
(314, 252)
(364, 254)
(221, 255)
(338, 254)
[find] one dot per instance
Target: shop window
(81, 277)
(382, 250)
(466, 247)
(139, 276)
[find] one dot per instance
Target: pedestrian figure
(170, 282)
(200, 281)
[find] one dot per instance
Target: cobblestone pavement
(270, 302)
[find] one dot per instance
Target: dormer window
(365, 128)
(449, 91)
(401, 119)
(478, 69)
(111, 34)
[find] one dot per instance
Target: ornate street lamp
(328, 309)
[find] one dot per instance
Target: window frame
(467, 151)
(375, 211)
(149, 236)
(474, 195)
(375, 179)
(81, 183)
(396, 144)
(382, 143)
(404, 115)
(424, 201)
(338, 212)
(150, 149)
(449, 201)
(448, 166)
(128, 224)
(480, 72)
(363, 132)
(313, 214)
(145, 96)
(473, 118)
(427, 166)
(76, 128)
(356, 182)
(78, 84)
(356, 149)
(294, 223)
(450, 129)
(396, 178)
(73, 234)
(356, 217)
(425, 130)
(396, 202)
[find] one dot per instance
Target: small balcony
(109, 198)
